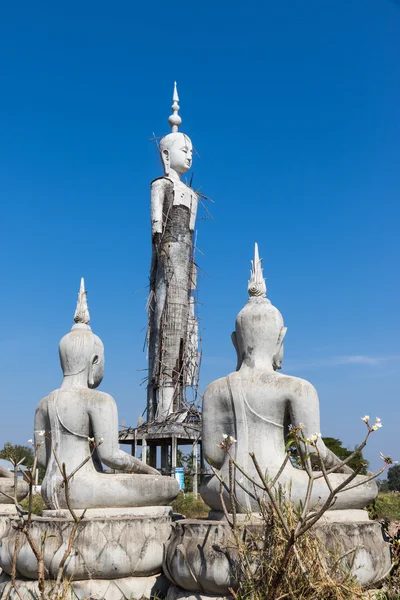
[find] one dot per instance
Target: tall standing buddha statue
(172, 329)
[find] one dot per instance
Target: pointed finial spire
(82, 310)
(175, 120)
(257, 286)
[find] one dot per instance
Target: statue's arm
(104, 420)
(157, 202)
(41, 425)
(6, 473)
(218, 418)
(304, 408)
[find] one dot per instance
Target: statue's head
(260, 330)
(176, 153)
(81, 351)
(176, 149)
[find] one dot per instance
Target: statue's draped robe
(172, 334)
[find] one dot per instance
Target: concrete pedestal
(127, 588)
(7, 513)
(116, 554)
(201, 560)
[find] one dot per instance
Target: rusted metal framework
(173, 354)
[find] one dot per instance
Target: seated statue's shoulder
(301, 387)
(217, 403)
(101, 397)
(43, 403)
(217, 387)
(217, 393)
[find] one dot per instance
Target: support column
(195, 447)
(164, 455)
(134, 449)
(201, 457)
(173, 455)
(144, 450)
(153, 455)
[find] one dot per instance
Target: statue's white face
(181, 155)
(176, 152)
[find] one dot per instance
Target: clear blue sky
(294, 110)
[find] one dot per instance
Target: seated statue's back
(256, 406)
(78, 426)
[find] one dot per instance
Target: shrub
(190, 506)
(38, 505)
(386, 506)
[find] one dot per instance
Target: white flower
(90, 440)
(313, 438)
(42, 433)
(377, 420)
(101, 440)
(376, 426)
(365, 419)
(30, 442)
(232, 440)
(225, 436)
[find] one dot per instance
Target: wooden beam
(164, 455)
(201, 455)
(195, 491)
(174, 448)
(144, 450)
(153, 455)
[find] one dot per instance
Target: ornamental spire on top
(82, 310)
(257, 286)
(175, 120)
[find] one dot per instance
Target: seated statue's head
(176, 149)
(260, 330)
(81, 351)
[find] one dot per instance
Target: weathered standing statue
(171, 336)
(256, 405)
(76, 413)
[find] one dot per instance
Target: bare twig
(279, 473)
(271, 496)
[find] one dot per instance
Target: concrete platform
(201, 560)
(127, 588)
(116, 554)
